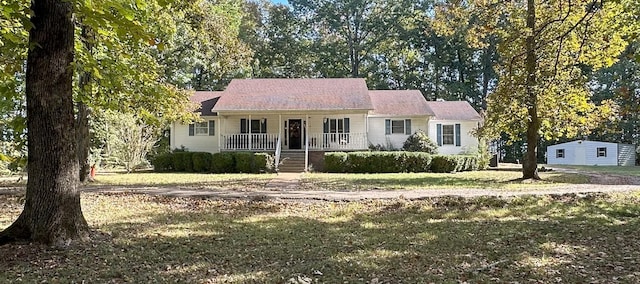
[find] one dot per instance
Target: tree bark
(529, 163)
(52, 212)
(83, 111)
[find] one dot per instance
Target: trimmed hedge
(202, 161)
(163, 162)
(225, 162)
(454, 163)
(397, 162)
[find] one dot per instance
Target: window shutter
(263, 126)
(212, 127)
(439, 133)
(407, 126)
(325, 126)
(243, 125)
(457, 134)
(387, 126)
(346, 125)
(192, 129)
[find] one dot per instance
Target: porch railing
(250, 142)
(316, 141)
(338, 141)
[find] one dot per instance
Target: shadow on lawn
(438, 240)
(440, 181)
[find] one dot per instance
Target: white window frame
(601, 152)
(451, 135)
(201, 128)
(560, 153)
(404, 126)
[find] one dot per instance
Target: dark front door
(295, 133)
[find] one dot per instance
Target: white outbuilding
(591, 153)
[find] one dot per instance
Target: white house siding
(180, 138)
(377, 136)
(583, 153)
(468, 143)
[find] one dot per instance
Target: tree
(52, 212)
(544, 49)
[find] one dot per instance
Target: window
(399, 126)
(202, 128)
(335, 126)
(559, 153)
(448, 134)
(602, 152)
(256, 125)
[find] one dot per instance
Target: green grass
(507, 180)
(145, 239)
(616, 170)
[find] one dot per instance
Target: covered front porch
(294, 132)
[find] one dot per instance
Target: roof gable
(295, 94)
(206, 100)
(453, 110)
(399, 103)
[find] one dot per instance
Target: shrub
(182, 161)
(163, 162)
(444, 164)
(335, 162)
(420, 142)
(223, 163)
(264, 163)
(416, 162)
(244, 162)
(202, 161)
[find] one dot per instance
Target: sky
(280, 2)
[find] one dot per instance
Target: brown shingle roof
(399, 103)
(295, 94)
(207, 101)
(453, 110)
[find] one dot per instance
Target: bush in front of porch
(225, 162)
(397, 162)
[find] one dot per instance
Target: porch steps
(291, 162)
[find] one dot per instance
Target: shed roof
(399, 103)
(295, 94)
(453, 110)
(207, 100)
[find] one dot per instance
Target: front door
(295, 133)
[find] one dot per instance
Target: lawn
(616, 170)
(146, 239)
(203, 181)
(507, 180)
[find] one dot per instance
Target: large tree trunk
(529, 163)
(52, 212)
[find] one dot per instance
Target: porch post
(306, 144)
(279, 131)
(366, 132)
(249, 126)
(219, 134)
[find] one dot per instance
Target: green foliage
(223, 162)
(244, 162)
(420, 142)
(202, 161)
(454, 163)
(182, 161)
(377, 162)
(163, 162)
(264, 163)
(335, 162)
